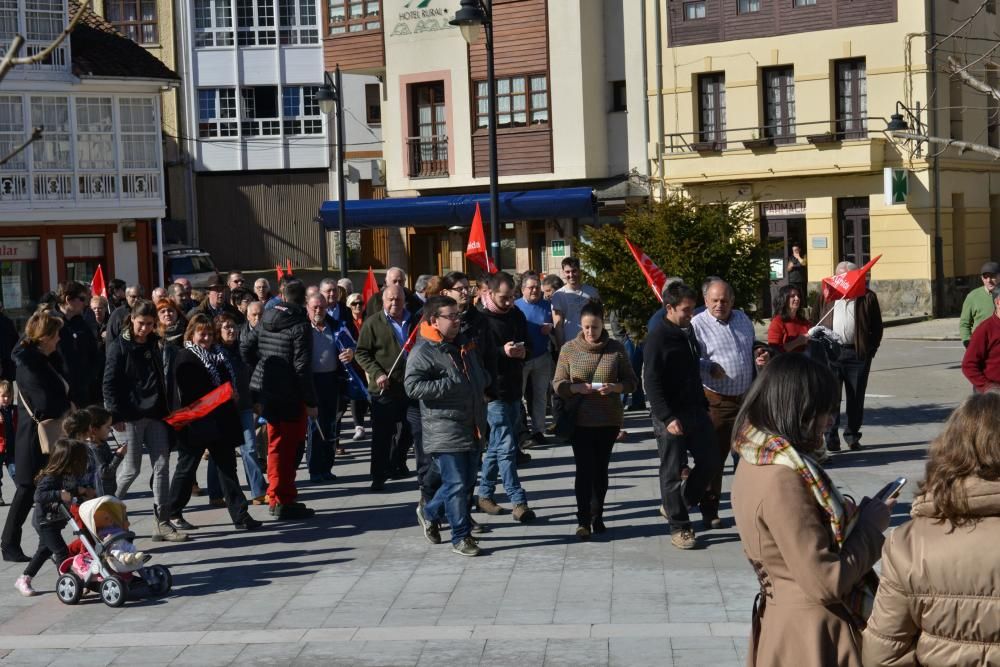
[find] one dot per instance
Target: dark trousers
(698, 439)
(722, 410)
(852, 372)
(592, 452)
(17, 514)
(358, 411)
(637, 399)
(50, 545)
(324, 438)
(391, 436)
(428, 473)
(188, 458)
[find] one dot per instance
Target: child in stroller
(110, 564)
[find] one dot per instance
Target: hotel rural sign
(418, 16)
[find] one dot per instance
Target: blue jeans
(501, 455)
(248, 450)
(458, 476)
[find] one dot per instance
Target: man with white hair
(858, 323)
(394, 276)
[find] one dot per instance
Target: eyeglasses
(355, 304)
(459, 288)
(450, 316)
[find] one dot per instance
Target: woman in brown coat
(937, 603)
(809, 546)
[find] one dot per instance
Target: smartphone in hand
(891, 490)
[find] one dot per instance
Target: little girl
(92, 425)
(58, 482)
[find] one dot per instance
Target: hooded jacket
(134, 380)
(506, 373)
(448, 380)
(282, 379)
(937, 603)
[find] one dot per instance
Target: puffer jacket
(282, 380)
(134, 380)
(937, 603)
(448, 379)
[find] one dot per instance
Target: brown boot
(523, 513)
(165, 532)
(489, 506)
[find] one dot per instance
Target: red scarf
(492, 306)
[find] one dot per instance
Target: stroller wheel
(159, 580)
(69, 589)
(114, 591)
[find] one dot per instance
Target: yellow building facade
(787, 104)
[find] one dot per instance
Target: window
(301, 110)
(260, 111)
(297, 22)
(747, 6)
(521, 101)
(992, 109)
(82, 254)
(12, 131)
(52, 151)
(213, 23)
(779, 104)
(255, 23)
(712, 107)
(955, 110)
(95, 134)
(354, 16)
(44, 20)
(694, 10)
(9, 24)
(803, 3)
(618, 97)
(991, 7)
(373, 103)
(217, 112)
(428, 142)
(852, 99)
(139, 133)
(136, 19)
(855, 230)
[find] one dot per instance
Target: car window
(191, 264)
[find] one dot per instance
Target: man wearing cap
(215, 304)
(978, 305)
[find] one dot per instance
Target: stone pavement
(359, 585)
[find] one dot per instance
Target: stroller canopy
(108, 503)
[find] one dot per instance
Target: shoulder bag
(49, 430)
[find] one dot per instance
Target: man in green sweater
(978, 305)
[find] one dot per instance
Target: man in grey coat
(448, 379)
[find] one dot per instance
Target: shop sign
(558, 248)
(18, 250)
(420, 16)
(780, 208)
(896, 185)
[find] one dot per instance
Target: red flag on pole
(654, 276)
(97, 285)
(288, 267)
(476, 249)
(281, 274)
(848, 285)
(370, 288)
(202, 407)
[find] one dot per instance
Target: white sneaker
(359, 433)
(23, 586)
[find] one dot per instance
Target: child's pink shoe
(81, 566)
(23, 586)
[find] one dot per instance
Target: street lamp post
(471, 16)
(330, 96)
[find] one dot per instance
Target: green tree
(685, 238)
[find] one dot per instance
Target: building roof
(100, 50)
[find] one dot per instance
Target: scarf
(759, 449)
(212, 359)
(492, 306)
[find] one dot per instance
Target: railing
(712, 140)
(427, 156)
(65, 186)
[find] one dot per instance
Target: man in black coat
(282, 385)
(77, 344)
(672, 379)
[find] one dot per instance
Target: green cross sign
(897, 186)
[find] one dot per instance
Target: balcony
(64, 187)
(799, 149)
(427, 157)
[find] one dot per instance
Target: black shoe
(523, 458)
(833, 447)
(248, 523)
(3, 503)
(477, 527)
(400, 473)
(538, 437)
(180, 523)
(598, 527)
(329, 477)
(12, 556)
(292, 512)
(431, 530)
(854, 446)
(377, 485)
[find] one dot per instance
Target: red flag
(408, 345)
(848, 285)
(203, 406)
(288, 267)
(476, 250)
(281, 274)
(370, 288)
(97, 285)
(654, 276)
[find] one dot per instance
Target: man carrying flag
(857, 320)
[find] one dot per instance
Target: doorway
(429, 250)
(781, 225)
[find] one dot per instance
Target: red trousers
(283, 440)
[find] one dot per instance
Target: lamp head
(470, 19)
(326, 97)
(897, 123)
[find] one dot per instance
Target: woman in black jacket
(42, 388)
(135, 393)
(200, 368)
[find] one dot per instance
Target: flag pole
(399, 356)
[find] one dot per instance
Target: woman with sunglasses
(358, 408)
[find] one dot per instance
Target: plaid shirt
(729, 344)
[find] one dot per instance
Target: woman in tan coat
(810, 546)
(938, 600)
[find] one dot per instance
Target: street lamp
(471, 16)
(329, 97)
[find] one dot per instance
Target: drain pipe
(939, 291)
(659, 99)
(645, 98)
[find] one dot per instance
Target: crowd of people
(472, 376)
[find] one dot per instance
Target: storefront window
(508, 247)
(20, 276)
(82, 255)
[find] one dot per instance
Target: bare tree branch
(11, 59)
(962, 146)
(982, 6)
(971, 81)
(36, 134)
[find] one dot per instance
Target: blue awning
(447, 211)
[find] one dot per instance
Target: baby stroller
(98, 569)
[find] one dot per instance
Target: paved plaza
(359, 585)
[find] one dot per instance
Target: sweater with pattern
(606, 362)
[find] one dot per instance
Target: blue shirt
(537, 314)
(402, 330)
(324, 350)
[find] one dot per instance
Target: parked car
(194, 264)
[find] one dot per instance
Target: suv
(194, 264)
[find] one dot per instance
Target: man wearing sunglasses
(978, 305)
